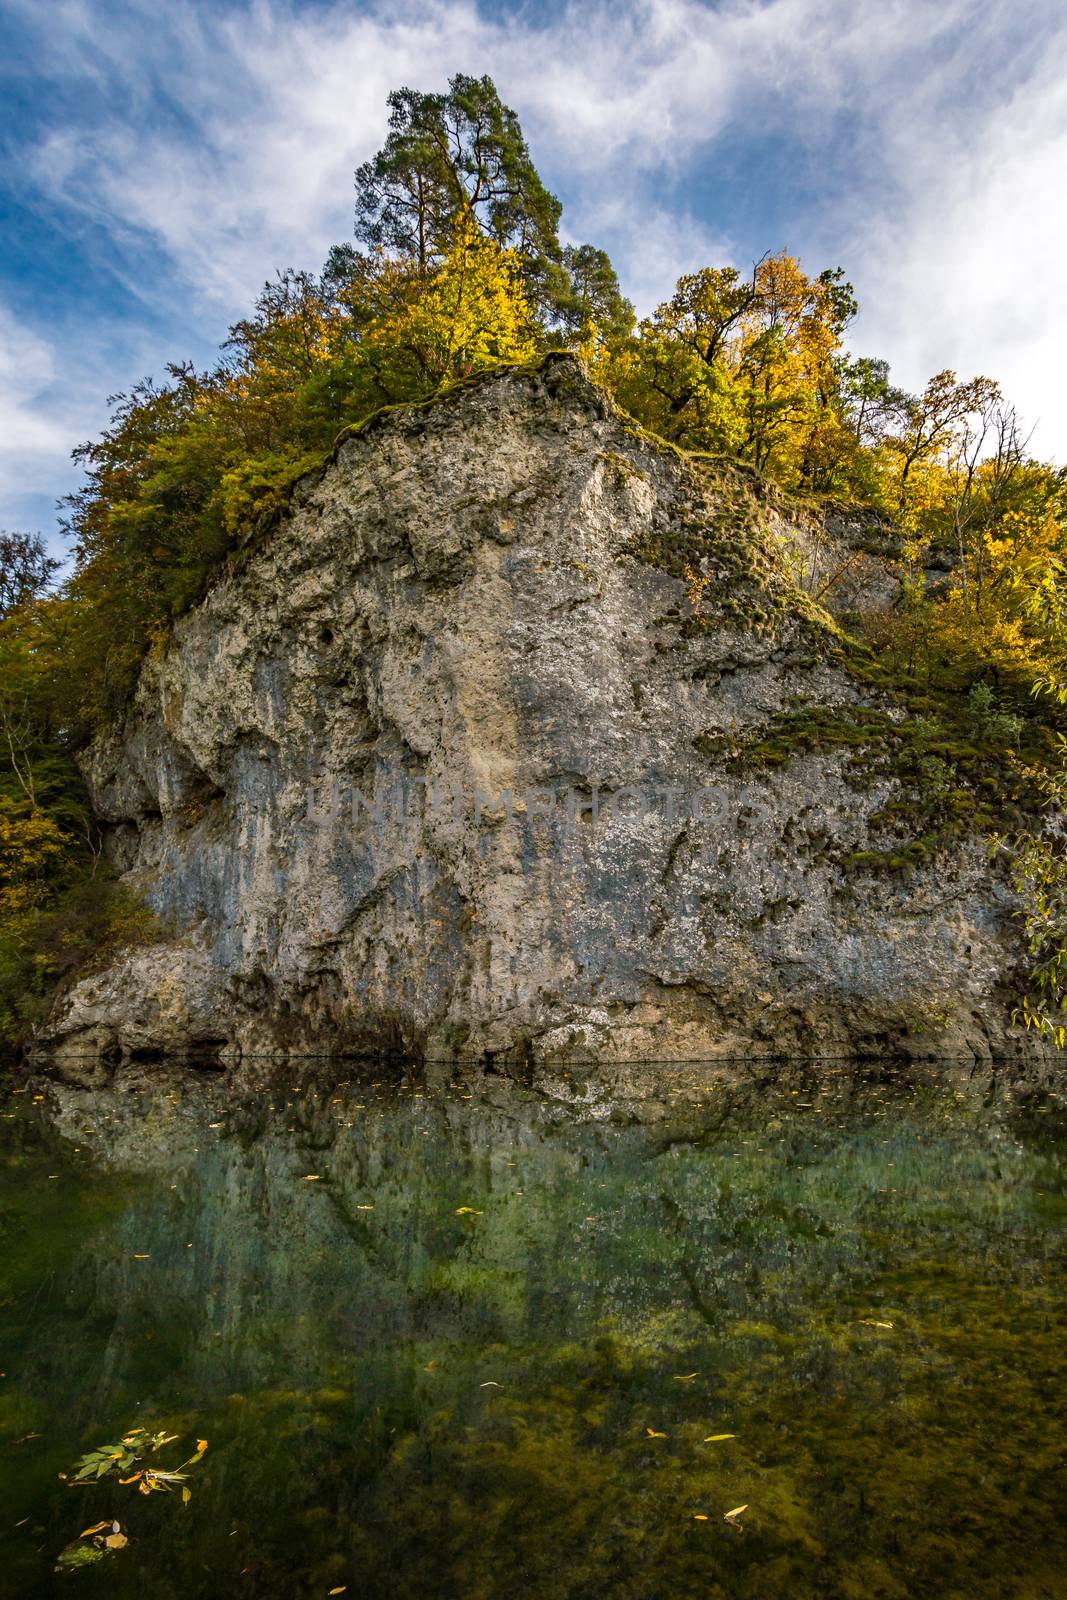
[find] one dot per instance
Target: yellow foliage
(744, 367)
(260, 486)
(470, 314)
(32, 848)
(986, 621)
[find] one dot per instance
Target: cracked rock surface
(422, 772)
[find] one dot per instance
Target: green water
(406, 1399)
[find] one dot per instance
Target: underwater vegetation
(468, 1338)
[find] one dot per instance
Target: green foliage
(1039, 876)
(43, 946)
(127, 1461)
(745, 375)
(58, 907)
(456, 158)
(590, 306)
(749, 367)
(26, 569)
(998, 726)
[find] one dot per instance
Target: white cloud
(34, 438)
(928, 143)
(965, 270)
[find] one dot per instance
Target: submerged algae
(487, 1351)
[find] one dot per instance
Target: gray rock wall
(487, 598)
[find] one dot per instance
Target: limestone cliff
(453, 758)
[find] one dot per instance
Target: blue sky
(159, 161)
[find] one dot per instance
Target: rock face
(441, 763)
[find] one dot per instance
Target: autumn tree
(928, 423)
(449, 159)
(26, 569)
(749, 366)
(791, 341)
(680, 378)
(469, 314)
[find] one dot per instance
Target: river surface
(473, 1339)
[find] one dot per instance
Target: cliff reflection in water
(470, 1338)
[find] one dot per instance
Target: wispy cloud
(921, 146)
(36, 420)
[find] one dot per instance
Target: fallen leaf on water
(468, 1211)
(685, 1377)
(713, 1438)
(116, 1541)
(142, 1258)
(131, 1480)
(489, 1384)
(872, 1323)
(698, 1516)
(88, 1532)
(364, 1208)
(312, 1177)
(341, 1590)
(201, 1445)
(652, 1434)
(729, 1516)
(187, 1495)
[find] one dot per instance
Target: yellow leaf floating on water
(312, 1177)
(116, 1541)
(652, 1434)
(201, 1445)
(94, 1529)
(341, 1590)
(468, 1211)
(685, 1377)
(713, 1438)
(730, 1516)
(187, 1495)
(870, 1322)
(364, 1208)
(698, 1516)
